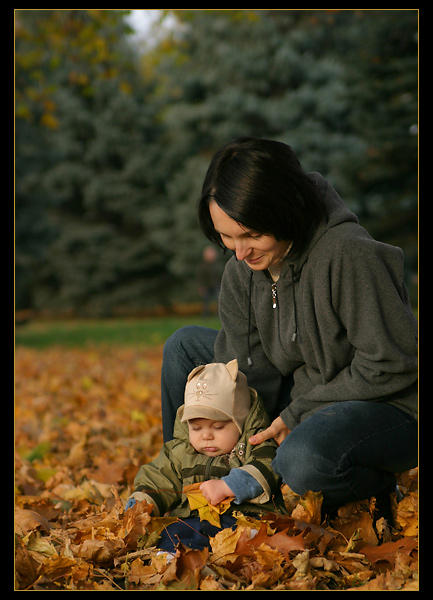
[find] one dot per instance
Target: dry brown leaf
(134, 523)
(387, 553)
(56, 567)
(285, 543)
(28, 520)
(100, 552)
(209, 584)
(309, 508)
(356, 517)
(189, 564)
(78, 454)
(26, 567)
(407, 514)
(384, 581)
(140, 573)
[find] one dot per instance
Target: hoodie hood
(337, 214)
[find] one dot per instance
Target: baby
(210, 445)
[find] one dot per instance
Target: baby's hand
(215, 490)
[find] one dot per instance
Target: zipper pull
(274, 295)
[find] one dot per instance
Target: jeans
(348, 451)
(192, 532)
(187, 348)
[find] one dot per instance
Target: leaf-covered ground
(86, 420)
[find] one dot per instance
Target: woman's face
(258, 250)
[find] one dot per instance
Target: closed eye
(251, 234)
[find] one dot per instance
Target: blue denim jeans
(192, 532)
(349, 451)
(183, 351)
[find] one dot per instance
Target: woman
(318, 317)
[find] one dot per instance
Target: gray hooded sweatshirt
(339, 321)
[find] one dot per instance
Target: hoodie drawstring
(295, 334)
(249, 359)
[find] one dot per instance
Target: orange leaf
(387, 552)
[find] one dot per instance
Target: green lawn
(125, 332)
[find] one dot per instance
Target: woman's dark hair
(261, 185)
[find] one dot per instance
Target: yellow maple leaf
(206, 511)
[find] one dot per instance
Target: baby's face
(212, 438)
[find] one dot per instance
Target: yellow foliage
(50, 121)
(206, 511)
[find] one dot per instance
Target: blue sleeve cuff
(243, 485)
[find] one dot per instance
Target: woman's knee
(193, 341)
(301, 465)
(174, 343)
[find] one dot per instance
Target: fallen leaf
(42, 506)
(189, 564)
(302, 583)
(224, 544)
(26, 567)
(41, 545)
(320, 562)
(407, 514)
(135, 521)
(386, 553)
(309, 508)
(384, 581)
(302, 563)
(93, 491)
(265, 579)
(209, 584)
(281, 540)
(77, 454)
(140, 573)
(58, 566)
(206, 511)
(267, 556)
(285, 543)
(28, 520)
(383, 530)
(356, 518)
(100, 552)
(108, 471)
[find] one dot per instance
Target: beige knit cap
(219, 392)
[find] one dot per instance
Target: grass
(123, 332)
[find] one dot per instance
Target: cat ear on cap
(232, 368)
(195, 371)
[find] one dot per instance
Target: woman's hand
(215, 491)
(276, 430)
